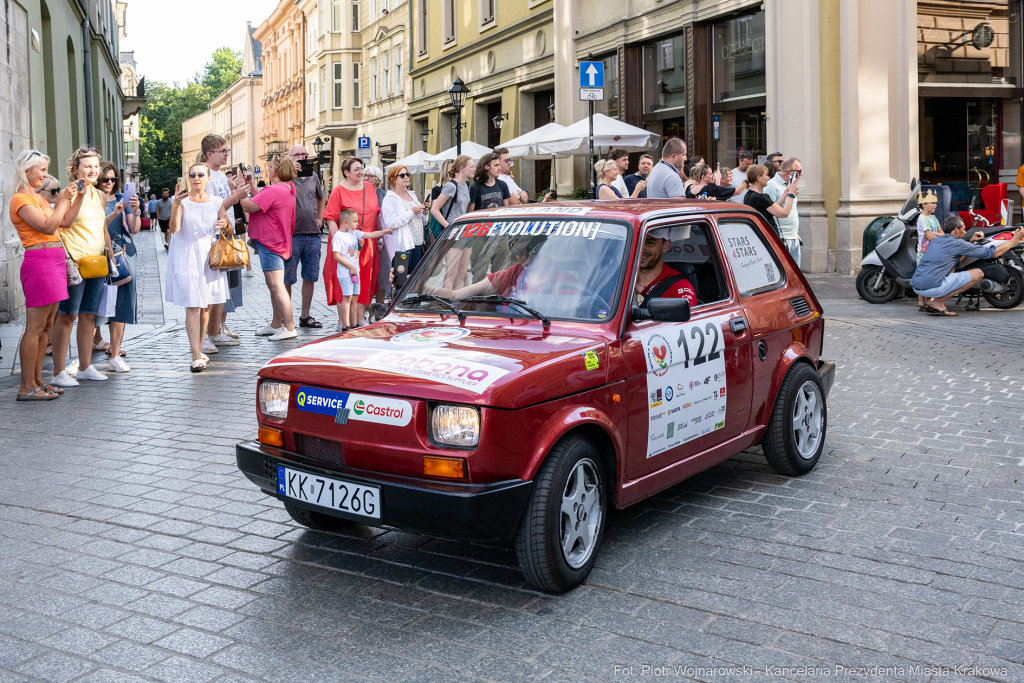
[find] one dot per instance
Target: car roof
(638, 210)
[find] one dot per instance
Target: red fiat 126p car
(543, 363)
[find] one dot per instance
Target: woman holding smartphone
(84, 233)
(123, 221)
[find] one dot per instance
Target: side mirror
(664, 311)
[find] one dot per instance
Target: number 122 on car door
(686, 383)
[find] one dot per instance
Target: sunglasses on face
(196, 175)
(53, 193)
(107, 180)
(403, 175)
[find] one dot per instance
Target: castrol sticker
(360, 407)
(430, 336)
(474, 377)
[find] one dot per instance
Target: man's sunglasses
(196, 175)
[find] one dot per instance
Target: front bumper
(467, 512)
(827, 374)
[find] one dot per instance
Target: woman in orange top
(354, 193)
(44, 275)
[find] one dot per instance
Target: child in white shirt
(345, 248)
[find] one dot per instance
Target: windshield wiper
(499, 299)
(445, 303)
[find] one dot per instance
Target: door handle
(738, 326)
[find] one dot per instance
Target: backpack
(433, 225)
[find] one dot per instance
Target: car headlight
(456, 425)
(274, 399)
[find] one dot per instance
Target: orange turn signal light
(271, 437)
(449, 468)
(616, 398)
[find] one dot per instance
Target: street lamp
(458, 93)
(425, 136)
(318, 145)
(499, 121)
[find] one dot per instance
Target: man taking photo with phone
(309, 211)
(644, 167)
(789, 226)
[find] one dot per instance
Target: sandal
(945, 314)
(198, 365)
(31, 396)
(310, 321)
(52, 389)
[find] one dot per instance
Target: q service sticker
(591, 360)
(360, 407)
(430, 335)
(686, 383)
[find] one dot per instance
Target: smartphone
(400, 265)
(129, 192)
(182, 185)
(81, 185)
(643, 176)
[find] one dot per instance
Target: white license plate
(333, 494)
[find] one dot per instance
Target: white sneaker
(208, 346)
(284, 334)
(248, 273)
(63, 380)
(224, 330)
(268, 330)
(118, 365)
(72, 368)
(91, 373)
(224, 340)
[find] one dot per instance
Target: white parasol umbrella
(416, 163)
(608, 132)
(525, 146)
(469, 148)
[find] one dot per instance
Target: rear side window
(753, 263)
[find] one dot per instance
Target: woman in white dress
(196, 218)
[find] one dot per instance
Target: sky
(174, 40)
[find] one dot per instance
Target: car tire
(796, 430)
(316, 520)
(569, 491)
(885, 292)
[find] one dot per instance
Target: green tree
(168, 105)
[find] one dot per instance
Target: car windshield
(544, 268)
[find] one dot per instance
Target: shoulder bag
(74, 277)
(94, 266)
(434, 226)
(228, 252)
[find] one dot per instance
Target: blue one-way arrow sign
(591, 74)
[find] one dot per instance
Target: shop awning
(469, 148)
(608, 133)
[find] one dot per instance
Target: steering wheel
(578, 288)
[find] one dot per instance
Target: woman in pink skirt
(44, 275)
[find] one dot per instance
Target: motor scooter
(887, 270)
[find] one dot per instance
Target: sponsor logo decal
(719, 425)
(659, 355)
(359, 407)
(468, 375)
(670, 430)
(668, 393)
(656, 398)
(431, 335)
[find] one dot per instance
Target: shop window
(739, 58)
(968, 42)
(610, 105)
(665, 76)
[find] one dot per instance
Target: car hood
(505, 366)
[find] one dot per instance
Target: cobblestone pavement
(131, 549)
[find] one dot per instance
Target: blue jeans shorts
(950, 284)
(83, 297)
(348, 288)
(269, 260)
(305, 249)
